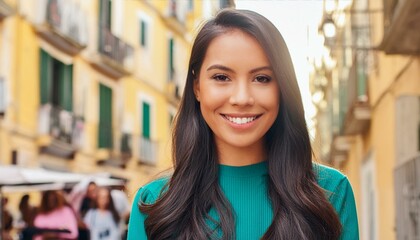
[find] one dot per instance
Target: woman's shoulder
(150, 192)
(66, 210)
(329, 178)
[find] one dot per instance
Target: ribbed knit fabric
(246, 189)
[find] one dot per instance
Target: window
(369, 201)
(56, 82)
(173, 8)
(407, 201)
(105, 117)
(147, 147)
(190, 5)
(171, 67)
(145, 31)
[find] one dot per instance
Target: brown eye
(221, 77)
(262, 79)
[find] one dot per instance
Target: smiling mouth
(241, 120)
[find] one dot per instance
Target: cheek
(270, 99)
(212, 97)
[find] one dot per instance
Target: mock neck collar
(253, 170)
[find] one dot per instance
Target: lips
(241, 120)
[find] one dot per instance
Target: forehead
(236, 47)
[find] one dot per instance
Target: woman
(242, 156)
(27, 211)
(103, 220)
(55, 215)
(89, 199)
(6, 220)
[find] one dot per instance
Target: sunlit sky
(297, 21)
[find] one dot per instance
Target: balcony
(116, 57)
(357, 118)
(175, 16)
(340, 147)
(60, 131)
(401, 27)
(119, 158)
(63, 24)
(5, 10)
(148, 151)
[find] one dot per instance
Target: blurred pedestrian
(103, 219)
(27, 211)
(242, 154)
(55, 215)
(6, 221)
(89, 199)
(122, 205)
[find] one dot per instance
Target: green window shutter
(146, 120)
(109, 14)
(65, 83)
(143, 31)
(45, 77)
(171, 59)
(105, 11)
(343, 105)
(105, 117)
(361, 79)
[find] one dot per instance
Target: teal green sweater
(246, 189)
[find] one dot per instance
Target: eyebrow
(220, 67)
(224, 68)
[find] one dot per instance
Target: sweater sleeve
(136, 228)
(343, 201)
(147, 194)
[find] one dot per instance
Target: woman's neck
(233, 156)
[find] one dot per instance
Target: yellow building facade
(93, 86)
(371, 101)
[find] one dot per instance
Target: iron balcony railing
(122, 156)
(60, 124)
(68, 19)
(114, 48)
(148, 151)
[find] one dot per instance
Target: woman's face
(103, 198)
(237, 91)
(91, 191)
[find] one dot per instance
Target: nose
(241, 95)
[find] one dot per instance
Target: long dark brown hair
(300, 207)
(51, 200)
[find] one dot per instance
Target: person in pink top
(55, 214)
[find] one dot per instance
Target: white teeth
(239, 120)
